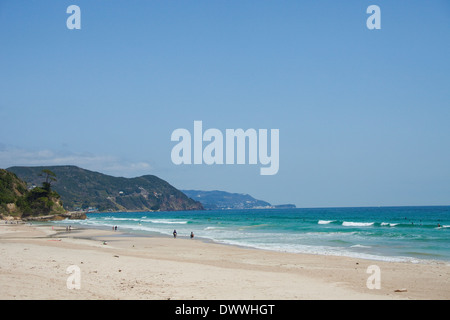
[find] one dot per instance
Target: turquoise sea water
(384, 233)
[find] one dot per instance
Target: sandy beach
(34, 260)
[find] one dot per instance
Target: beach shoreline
(34, 260)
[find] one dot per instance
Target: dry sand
(34, 262)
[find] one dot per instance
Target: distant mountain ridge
(81, 189)
(213, 200)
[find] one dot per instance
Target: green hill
(81, 189)
(17, 201)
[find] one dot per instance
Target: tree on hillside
(49, 176)
(40, 200)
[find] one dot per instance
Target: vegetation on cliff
(82, 189)
(17, 200)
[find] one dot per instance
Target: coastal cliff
(82, 189)
(17, 201)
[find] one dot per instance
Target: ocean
(402, 234)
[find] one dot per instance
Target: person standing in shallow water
(192, 235)
(174, 234)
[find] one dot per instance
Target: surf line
(213, 153)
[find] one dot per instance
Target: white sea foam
(163, 221)
(330, 234)
(388, 224)
(213, 228)
(356, 224)
(325, 221)
(318, 250)
(360, 246)
(120, 219)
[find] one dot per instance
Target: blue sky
(363, 114)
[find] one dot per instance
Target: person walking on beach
(174, 234)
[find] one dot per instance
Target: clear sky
(363, 115)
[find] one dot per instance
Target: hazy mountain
(225, 200)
